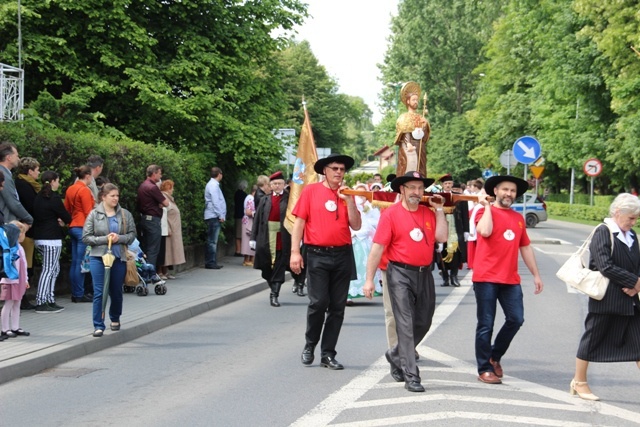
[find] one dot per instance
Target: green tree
(195, 74)
(614, 27)
(335, 118)
(542, 80)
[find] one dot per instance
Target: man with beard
(407, 233)
(501, 233)
(324, 215)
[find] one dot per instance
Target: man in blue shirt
(215, 211)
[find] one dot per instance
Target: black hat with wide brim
(333, 158)
(410, 176)
(491, 183)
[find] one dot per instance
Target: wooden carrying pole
(455, 198)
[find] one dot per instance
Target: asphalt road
(239, 365)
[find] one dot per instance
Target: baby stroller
(146, 275)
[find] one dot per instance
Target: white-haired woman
(612, 326)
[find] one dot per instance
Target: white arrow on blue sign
(526, 150)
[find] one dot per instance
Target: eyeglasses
(419, 188)
(337, 168)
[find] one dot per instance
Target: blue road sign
(487, 173)
(526, 150)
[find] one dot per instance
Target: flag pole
(303, 173)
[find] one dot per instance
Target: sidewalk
(60, 337)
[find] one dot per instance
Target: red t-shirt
(324, 227)
(496, 258)
(394, 233)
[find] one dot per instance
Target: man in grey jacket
(10, 205)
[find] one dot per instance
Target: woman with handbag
(612, 326)
(108, 222)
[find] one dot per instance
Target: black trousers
(413, 301)
(328, 277)
(275, 273)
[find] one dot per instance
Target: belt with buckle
(315, 248)
(410, 267)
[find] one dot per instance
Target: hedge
(125, 165)
(581, 199)
(590, 213)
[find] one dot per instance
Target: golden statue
(412, 132)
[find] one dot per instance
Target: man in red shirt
(407, 234)
(150, 201)
(501, 234)
(324, 215)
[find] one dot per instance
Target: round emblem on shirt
(416, 234)
(331, 206)
(417, 133)
(509, 235)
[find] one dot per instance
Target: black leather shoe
(307, 355)
(446, 282)
(331, 363)
(213, 267)
(396, 373)
(83, 298)
(274, 301)
(455, 282)
(414, 386)
(301, 290)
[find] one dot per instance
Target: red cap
(277, 175)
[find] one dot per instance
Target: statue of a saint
(412, 133)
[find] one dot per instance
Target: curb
(33, 363)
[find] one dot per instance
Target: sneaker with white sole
(46, 308)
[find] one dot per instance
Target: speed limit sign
(592, 167)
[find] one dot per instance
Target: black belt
(315, 248)
(410, 267)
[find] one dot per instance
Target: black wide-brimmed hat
(410, 176)
(491, 183)
(333, 158)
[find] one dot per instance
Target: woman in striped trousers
(48, 219)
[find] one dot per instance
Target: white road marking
(490, 418)
(348, 397)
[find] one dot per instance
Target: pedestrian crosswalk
(454, 397)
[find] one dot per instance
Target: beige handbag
(576, 273)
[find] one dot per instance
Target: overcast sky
(349, 37)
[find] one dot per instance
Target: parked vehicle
(536, 209)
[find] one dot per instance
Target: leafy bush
(125, 164)
(590, 213)
(581, 199)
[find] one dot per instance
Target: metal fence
(11, 93)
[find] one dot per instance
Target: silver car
(536, 209)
